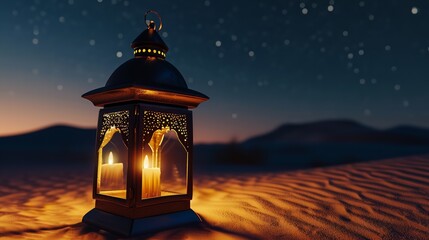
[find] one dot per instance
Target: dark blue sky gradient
(263, 63)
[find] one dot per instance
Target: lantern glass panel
(165, 155)
(113, 155)
(174, 169)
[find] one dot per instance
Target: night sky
(262, 63)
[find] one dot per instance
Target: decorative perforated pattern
(153, 121)
(119, 120)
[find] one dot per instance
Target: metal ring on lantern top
(157, 14)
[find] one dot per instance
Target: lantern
(143, 170)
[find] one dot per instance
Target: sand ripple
(376, 200)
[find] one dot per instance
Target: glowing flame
(146, 162)
(110, 160)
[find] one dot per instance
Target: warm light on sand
(377, 200)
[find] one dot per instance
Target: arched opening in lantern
(174, 171)
(164, 165)
(112, 164)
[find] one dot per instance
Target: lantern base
(132, 227)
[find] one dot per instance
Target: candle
(112, 175)
(151, 180)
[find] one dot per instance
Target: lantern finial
(151, 24)
(149, 43)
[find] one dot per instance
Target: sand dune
(377, 200)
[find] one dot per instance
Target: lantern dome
(147, 72)
(148, 77)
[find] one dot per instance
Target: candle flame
(110, 160)
(146, 162)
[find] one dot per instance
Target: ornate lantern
(143, 170)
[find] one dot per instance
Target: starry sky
(262, 63)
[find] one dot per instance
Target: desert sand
(386, 199)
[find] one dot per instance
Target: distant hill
(316, 144)
(290, 146)
(52, 145)
(312, 132)
(342, 131)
